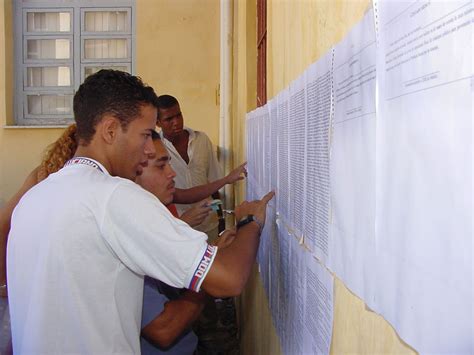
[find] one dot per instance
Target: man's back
(75, 277)
(66, 271)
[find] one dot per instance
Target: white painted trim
(225, 119)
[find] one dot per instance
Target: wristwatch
(247, 219)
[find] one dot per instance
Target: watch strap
(247, 219)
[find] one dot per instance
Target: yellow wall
(300, 32)
(177, 52)
(244, 88)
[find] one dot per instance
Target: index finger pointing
(268, 197)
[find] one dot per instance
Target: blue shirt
(155, 294)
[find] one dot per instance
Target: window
(60, 43)
(261, 52)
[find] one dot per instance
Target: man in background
(195, 162)
(192, 156)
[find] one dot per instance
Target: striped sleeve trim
(203, 268)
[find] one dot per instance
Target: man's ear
(158, 122)
(108, 128)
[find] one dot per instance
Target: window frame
(103, 64)
(47, 119)
(43, 10)
(85, 60)
(27, 61)
(108, 9)
(27, 88)
(77, 63)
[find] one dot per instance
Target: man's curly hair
(58, 153)
(113, 92)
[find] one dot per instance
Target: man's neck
(89, 152)
(179, 139)
(180, 142)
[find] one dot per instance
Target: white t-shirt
(203, 167)
(79, 246)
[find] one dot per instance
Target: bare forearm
(198, 193)
(5, 219)
(176, 317)
(5, 223)
(4, 230)
(232, 265)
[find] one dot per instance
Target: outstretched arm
(198, 193)
(178, 315)
(232, 265)
(5, 218)
(175, 318)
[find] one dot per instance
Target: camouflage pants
(217, 329)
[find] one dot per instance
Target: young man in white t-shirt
(82, 240)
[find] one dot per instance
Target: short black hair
(167, 101)
(109, 92)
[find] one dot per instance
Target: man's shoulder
(125, 186)
(199, 136)
(90, 182)
(67, 188)
(108, 183)
(129, 193)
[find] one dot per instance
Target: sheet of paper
(294, 344)
(283, 195)
(318, 93)
(267, 141)
(262, 113)
(265, 249)
(472, 201)
(424, 173)
(250, 148)
(257, 153)
(275, 280)
(252, 145)
(248, 145)
(352, 241)
(297, 143)
(273, 112)
(285, 277)
(319, 307)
